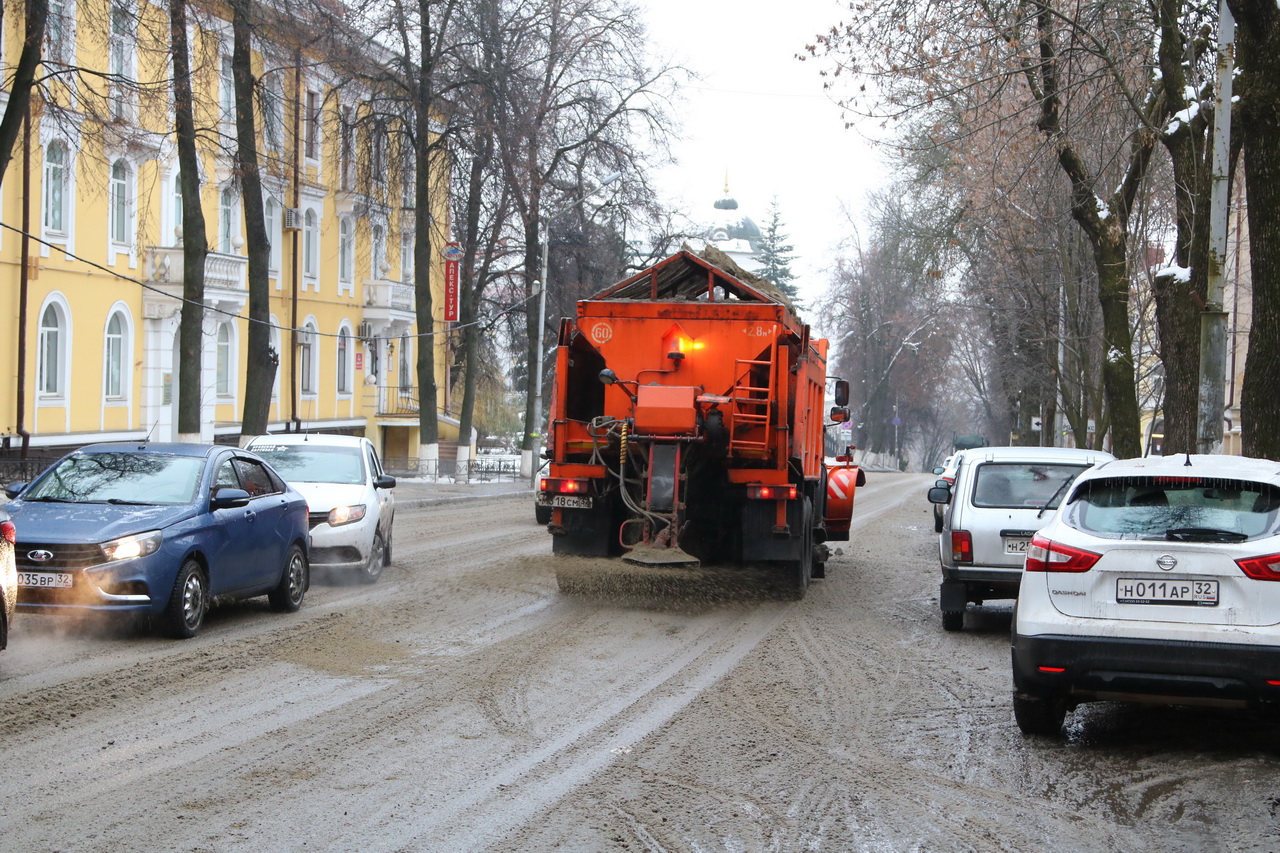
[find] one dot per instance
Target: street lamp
(536, 426)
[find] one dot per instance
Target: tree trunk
(23, 80)
(1258, 87)
(1118, 387)
(195, 243)
(260, 371)
(428, 422)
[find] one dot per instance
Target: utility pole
(1213, 319)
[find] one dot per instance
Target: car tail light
(8, 531)
(772, 493)
(1265, 568)
(564, 486)
(1044, 555)
(961, 546)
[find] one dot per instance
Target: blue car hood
(90, 523)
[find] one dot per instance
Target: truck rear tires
(797, 573)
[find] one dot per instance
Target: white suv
(352, 505)
(1001, 496)
(1156, 581)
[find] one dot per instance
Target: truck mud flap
(584, 532)
(759, 542)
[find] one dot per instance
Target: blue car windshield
(313, 463)
(143, 478)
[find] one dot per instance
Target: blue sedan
(159, 530)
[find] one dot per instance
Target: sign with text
(451, 284)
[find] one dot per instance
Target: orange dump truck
(687, 423)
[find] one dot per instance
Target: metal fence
(17, 469)
(494, 469)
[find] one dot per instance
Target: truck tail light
(1044, 555)
(961, 546)
(564, 486)
(772, 493)
(1265, 568)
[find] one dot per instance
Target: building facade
(92, 204)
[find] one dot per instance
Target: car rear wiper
(1055, 495)
(1203, 534)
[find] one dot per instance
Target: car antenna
(1187, 464)
(146, 438)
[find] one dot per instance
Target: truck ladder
(751, 405)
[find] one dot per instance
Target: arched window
(225, 361)
(51, 356)
(344, 360)
(377, 251)
(226, 221)
(271, 213)
(55, 187)
(120, 202)
(310, 244)
(406, 364)
(307, 358)
(346, 250)
(113, 357)
(176, 203)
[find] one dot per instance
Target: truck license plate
(567, 501)
(1193, 592)
(45, 580)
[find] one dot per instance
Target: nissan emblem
(1166, 562)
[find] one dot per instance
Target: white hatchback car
(1000, 497)
(1155, 581)
(350, 496)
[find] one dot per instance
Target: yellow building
(97, 191)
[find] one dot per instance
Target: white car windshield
(124, 478)
(1178, 508)
(314, 463)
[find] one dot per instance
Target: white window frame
(122, 60)
(308, 360)
(56, 178)
(60, 32)
(227, 94)
(345, 360)
(377, 250)
(275, 345)
(120, 205)
(52, 385)
(273, 112)
(228, 221)
(117, 347)
(311, 246)
(313, 120)
(225, 362)
(272, 215)
(405, 365)
(346, 253)
(407, 241)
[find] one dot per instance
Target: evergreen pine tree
(776, 255)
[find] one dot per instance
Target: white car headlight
(129, 547)
(345, 514)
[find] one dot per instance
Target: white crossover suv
(350, 496)
(1157, 580)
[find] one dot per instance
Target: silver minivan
(1000, 497)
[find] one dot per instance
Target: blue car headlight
(129, 547)
(345, 514)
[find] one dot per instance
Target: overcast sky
(761, 116)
